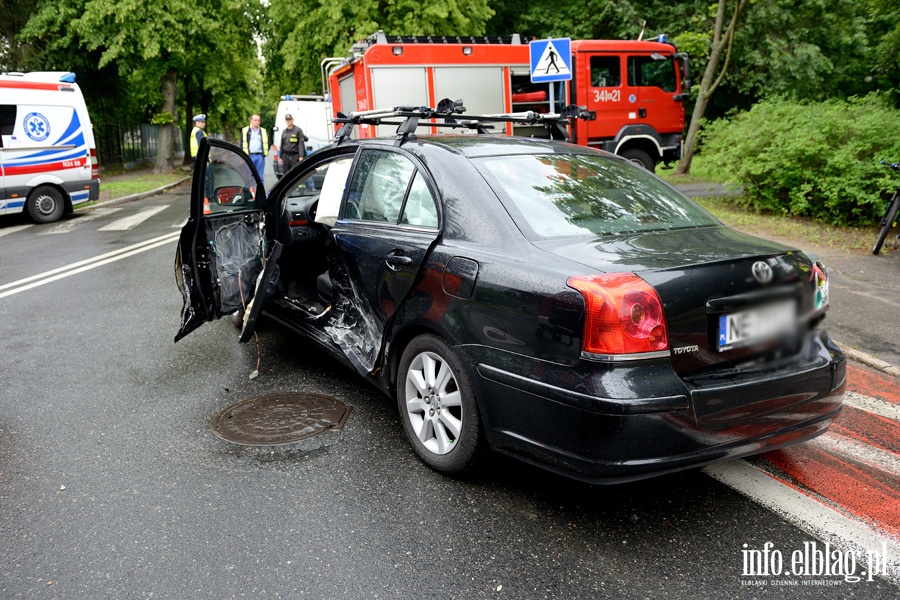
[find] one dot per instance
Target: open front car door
(224, 261)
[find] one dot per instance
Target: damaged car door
(389, 221)
(224, 260)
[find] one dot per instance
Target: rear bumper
(648, 421)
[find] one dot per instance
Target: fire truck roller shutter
(398, 86)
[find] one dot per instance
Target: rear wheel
(45, 204)
(639, 157)
(889, 217)
(437, 406)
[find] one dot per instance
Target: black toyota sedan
(548, 301)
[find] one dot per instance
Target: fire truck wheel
(45, 204)
(639, 157)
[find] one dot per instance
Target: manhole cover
(277, 419)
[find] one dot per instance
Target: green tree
(722, 44)
(299, 38)
(146, 39)
(14, 55)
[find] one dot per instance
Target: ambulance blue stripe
(74, 125)
(50, 159)
(49, 153)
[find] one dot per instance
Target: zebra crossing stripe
(8, 230)
(134, 220)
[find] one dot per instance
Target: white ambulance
(48, 160)
(312, 114)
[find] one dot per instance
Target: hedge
(817, 159)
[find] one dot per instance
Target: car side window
(420, 208)
(379, 184)
(230, 184)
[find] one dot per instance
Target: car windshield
(558, 195)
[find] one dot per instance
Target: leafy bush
(815, 159)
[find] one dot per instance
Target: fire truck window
(606, 71)
(644, 71)
(7, 120)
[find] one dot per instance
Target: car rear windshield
(557, 195)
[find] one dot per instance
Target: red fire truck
(636, 88)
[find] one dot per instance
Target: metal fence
(124, 143)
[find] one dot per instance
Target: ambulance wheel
(45, 205)
(639, 157)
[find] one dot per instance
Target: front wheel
(45, 204)
(437, 406)
(639, 157)
(889, 217)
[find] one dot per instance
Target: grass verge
(795, 228)
(117, 188)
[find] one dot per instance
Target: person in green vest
(197, 134)
(255, 142)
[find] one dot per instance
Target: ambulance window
(606, 71)
(646, 71)
(7, 120)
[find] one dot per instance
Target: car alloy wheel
(438, 407)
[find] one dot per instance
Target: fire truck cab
(636, 88)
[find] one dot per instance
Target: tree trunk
(722, 42)
(166, 133)
(188, 122)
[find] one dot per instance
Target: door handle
(642, 112)
(395, 259)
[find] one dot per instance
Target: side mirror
(230, 194)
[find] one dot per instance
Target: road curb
(123, 199)
(868, 359)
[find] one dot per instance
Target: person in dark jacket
(292, 148)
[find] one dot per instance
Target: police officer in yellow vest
(197, 134)
(255, 142)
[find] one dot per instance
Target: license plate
(755, 325)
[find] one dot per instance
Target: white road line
(181, 223)
(872, 405)
(8, 230)
(70, 224)
(133, 220)
(860, 451)
(84, 265)
(805, 512)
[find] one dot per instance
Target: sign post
(551, 61)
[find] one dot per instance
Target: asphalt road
(112, 484)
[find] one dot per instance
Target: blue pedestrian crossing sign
(551, 60)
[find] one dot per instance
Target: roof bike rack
(407, 119)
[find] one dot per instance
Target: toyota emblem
(762, 272)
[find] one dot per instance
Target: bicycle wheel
(888, 222)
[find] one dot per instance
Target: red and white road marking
(843, 487)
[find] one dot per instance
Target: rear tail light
(95, 167)
(623, 315)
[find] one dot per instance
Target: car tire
(45, 204)
(438, 408)
(639, 157)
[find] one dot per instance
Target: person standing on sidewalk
(255, 142)
(292, 147)
(197, 134)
